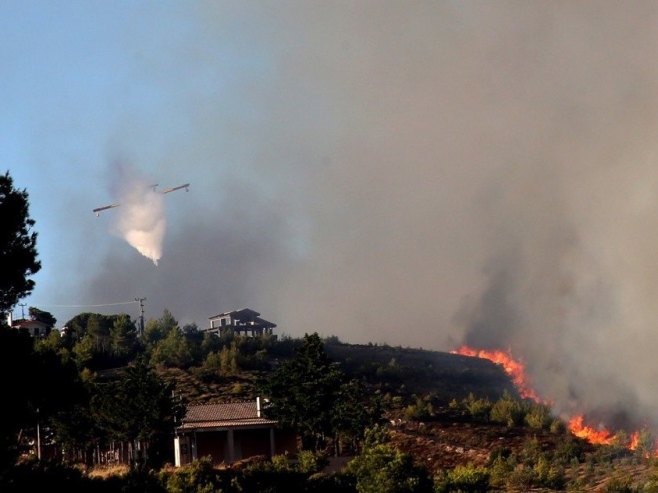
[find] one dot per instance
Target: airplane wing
(98, 210)
(186, 186)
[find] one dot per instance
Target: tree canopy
(42, 316)
(303, 391)
(18, 254)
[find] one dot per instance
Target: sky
(424, 174)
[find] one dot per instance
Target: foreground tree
(138, 408)
(123, 337)
(304, 391)
(18, 260)
(18, 254)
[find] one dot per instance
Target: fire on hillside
(576, 424)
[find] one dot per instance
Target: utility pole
(22, 305)
(141, 317)
(38, 436)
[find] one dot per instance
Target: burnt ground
(451, 440)
(446, 443)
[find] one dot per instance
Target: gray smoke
(422, 174)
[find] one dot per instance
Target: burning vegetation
(600, 435)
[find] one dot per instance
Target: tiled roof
(240, 423)
(214, 412)
(234, 414)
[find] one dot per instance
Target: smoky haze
(425, 174)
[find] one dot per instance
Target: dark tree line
(312, 395)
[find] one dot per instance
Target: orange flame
(635, 440)
(597, 437)
(516, 371)
(514, 368)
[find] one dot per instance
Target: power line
(85, 306)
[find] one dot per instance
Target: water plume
(141, 219)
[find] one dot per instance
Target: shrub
(568, 450)
(522, 477)
(270, 477)
(464, 478)
(508, 411)
(197, 477)
(419, 411)
(331, 483)
(384, 469)
(477, 408)
(500, 470)
(548, 475)
(558, 427)
(538, 417)
(651, 486)
(531, 452)
(309, 462)
(620, 485)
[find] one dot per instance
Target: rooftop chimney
(258, 407)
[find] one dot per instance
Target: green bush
(508, 411)
(331, 483)
(549, 475)
(569, 450)
(531, 452)
(384, 469)
(539, 417)
(478, 408)
(309, 462)
(500, 470)
(270, 477)
(197, 477)
(558, 427)
(651, 486)
(420, 411)
(522, 477)
(620, 485)
(464, 479)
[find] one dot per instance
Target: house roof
(228, 415)
(23, 323)
(245, 311)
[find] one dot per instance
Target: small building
(229, 432)
(35, 328)
(245, 322)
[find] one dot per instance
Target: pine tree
(18, 254)
(303, 392)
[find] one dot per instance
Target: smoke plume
(141, 219)
(425, 174)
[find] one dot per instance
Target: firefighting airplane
(186, 186)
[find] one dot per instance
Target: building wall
(246, 443)
(213, 443)
(253, 442)
(285, 441)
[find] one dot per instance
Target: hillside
(398, 371)
(445, 375)
(448, 436)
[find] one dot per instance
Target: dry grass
(104, 472)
